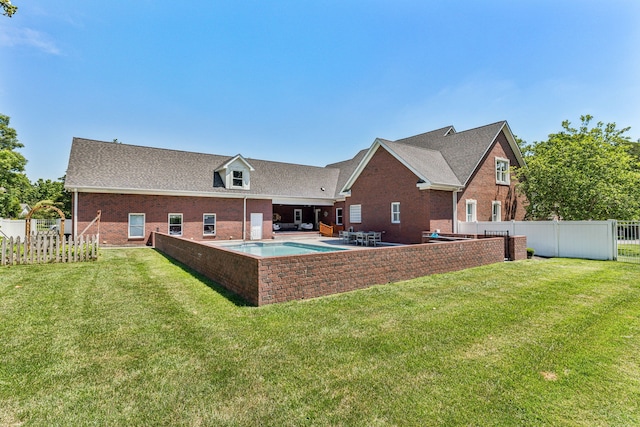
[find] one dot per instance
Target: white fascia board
(405, 164)
(356, 173)
(295, 201)
(444, 187)
(513, 143)
(367, 158)
(151, 192)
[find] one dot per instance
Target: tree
(52, 193)
(7, 8)
(13, 182)
(633, 148)
(581, 174)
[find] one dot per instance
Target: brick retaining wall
(517, 247)
(270, 280)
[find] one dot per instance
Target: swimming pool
(279, 249)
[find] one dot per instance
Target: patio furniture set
(370, 238)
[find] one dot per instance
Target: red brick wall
(383, 181)
(483, 188)
(517, 248)
(441, 211)
(332, 213)
(269, 280)
(116, 208)
(258, 206)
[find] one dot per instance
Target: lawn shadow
(234, 298)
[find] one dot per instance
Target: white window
(395, 212)
(175, 224)
(502, 171)
(496, 211)
(209, 224)
(237, 178)
(471, 210)
(355, 214)
(136, 225)
(338, 216)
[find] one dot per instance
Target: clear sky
(308, 82)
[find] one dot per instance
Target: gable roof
(346, 168)
(442, 158)
(429, 166)
(110, 167)
(465, 150)
(233, 159)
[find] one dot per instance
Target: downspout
(244, 219)
(455, 211)
(75, 213)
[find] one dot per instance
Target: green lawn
(629, 252)
(134, 339)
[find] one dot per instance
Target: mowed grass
(629, 252)
(135, 339)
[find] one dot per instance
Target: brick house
(425, 182)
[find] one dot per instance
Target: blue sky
(309, 82)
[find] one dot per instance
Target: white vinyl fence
(567, 239)
(16, 227)
(629, 241)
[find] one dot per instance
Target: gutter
(454, 222)
(244, 219)
(75, 213)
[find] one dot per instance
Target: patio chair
(374, 238)
(361, 238)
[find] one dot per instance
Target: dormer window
(237, 179)
(235, 173)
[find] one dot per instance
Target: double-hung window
(136, 225)
(395, 212)
(237, 179)
(338, 216)
(502, 171)
(175, 224)
(496, 211)
(209, 224)
(355, 214)
(471, 210)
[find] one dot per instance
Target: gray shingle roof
(461, 150)
(347, 168)
(112, 166)
(443, 156)
(429, 163)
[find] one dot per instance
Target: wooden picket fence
(47, 248)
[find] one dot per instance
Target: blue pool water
(278, 249)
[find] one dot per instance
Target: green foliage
(50, 193)
(15, 187)
(582, 174)
(13, 182)
(633, 148)
(7, 8)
